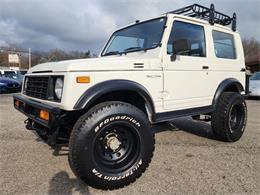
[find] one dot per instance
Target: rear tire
(229, 119)
(111, 145)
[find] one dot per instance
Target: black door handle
(205, 67)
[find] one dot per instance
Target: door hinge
(164, 94)
(243, 70)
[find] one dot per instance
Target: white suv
(148, 72)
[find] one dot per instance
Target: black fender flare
(224, 85)
(102, 88)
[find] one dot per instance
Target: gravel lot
(187, 160)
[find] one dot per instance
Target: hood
(93, 64)
(8, 80)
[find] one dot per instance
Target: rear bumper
(31, 109)
(254, 93)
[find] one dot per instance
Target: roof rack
(209, 14)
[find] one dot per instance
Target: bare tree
(3, 58)
(38, 57)
(251, 47)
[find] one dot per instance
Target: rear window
(224, 45)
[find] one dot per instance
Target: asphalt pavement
(187, 160)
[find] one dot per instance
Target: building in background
(253, 62)
(13, 59)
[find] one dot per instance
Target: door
(186, 68)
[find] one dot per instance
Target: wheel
(229, 119)
(111, 145)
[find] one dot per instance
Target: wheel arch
(228, 85)
(117, 90)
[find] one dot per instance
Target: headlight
(58, 88)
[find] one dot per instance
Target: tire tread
(80, 125)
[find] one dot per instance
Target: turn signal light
(16, 103)
(44, 115)
(83, 79)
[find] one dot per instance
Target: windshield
(13, 75)
(255, 76)
(10, 74)
(141, 36)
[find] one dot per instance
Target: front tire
(111, 145)
(229, 119)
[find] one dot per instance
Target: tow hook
(29, 125)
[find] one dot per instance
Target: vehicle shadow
(60, 150)
(253, 98)
(61, 183)
(188, 125)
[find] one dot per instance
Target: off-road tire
(90, 135)
(229, 119)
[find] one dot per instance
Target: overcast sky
(87, 24)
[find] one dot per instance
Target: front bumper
(5, 89)
(31, 109)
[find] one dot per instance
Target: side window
(187, 39)
(224, 45)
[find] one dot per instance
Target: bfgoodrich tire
(229, 119)
(111, 145)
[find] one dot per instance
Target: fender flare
(96, 91)
(224, 85)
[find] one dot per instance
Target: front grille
(36, 87)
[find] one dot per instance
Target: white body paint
(173, 85)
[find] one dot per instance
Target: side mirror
(173, 57)
(180, 47)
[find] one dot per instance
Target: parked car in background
(23, 72)
(19, 77)
(8, 73)
(12, 74)
(8, 85)
(254, 85)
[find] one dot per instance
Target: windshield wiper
(112, 53)
(133, 49)
(125, 51)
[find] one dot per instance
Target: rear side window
(224, 45)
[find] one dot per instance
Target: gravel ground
(187, 160)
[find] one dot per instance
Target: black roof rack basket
(209, 14)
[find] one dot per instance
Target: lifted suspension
(52, 137)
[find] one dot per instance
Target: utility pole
(29, 57)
